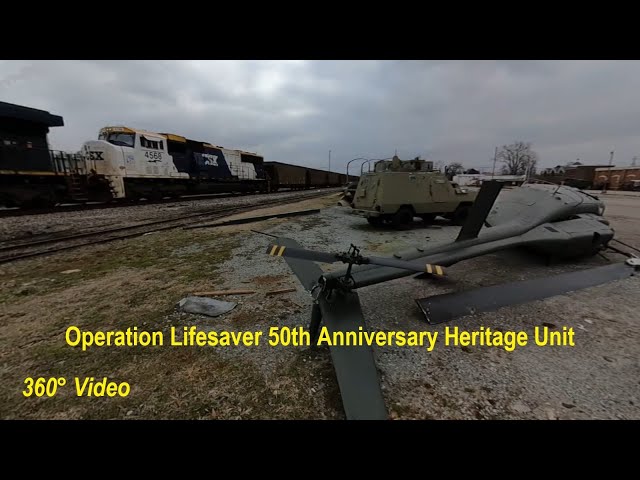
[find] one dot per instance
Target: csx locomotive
(129, 163)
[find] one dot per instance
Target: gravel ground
(597, 379)
(138, 282)
(52, 224)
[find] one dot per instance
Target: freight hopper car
(138, 163)
(296, 177)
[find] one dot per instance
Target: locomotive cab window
(152, 144)
(120, 139)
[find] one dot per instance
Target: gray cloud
(296, 111)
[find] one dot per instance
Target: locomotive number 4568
(153, 155)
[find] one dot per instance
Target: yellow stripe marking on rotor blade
(429, 270)
(439, 270)
(273, 250)
(281, 251)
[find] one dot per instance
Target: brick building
(621, 177)
(581, 176)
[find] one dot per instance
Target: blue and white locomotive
(137, 163)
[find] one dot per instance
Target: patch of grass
(137, 283)
(43, 275)
(132, 283)
(180, 383)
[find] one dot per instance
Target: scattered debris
(74, 270)
(205, 306)
(216, 293)
(568, 405)
(278, 292)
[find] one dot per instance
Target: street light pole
(372, 160)
(359, 158)
(329, 160)
(495, 157)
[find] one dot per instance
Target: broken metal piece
(205, 306)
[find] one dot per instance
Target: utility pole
(608, 182)
(633, 161)
(329, 160)
(495, 157)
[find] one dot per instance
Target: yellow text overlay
(298, 336)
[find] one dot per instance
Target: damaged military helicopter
(555, 221)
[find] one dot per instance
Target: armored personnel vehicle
(397, 191)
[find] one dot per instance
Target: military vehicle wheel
(428, 218)
(403, 218)
(375, 221)
(461, 214)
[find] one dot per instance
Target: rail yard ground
(137, 282)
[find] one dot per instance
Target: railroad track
(19, 212)
(36, 248)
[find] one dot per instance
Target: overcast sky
(296, 111)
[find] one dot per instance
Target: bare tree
(456, 167)
(518, 158)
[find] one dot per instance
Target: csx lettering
(210, 160)
(96, 156)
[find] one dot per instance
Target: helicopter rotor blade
(449, 306)
(324, 257)
(417, 267)
(355, 366)
(303, 254)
